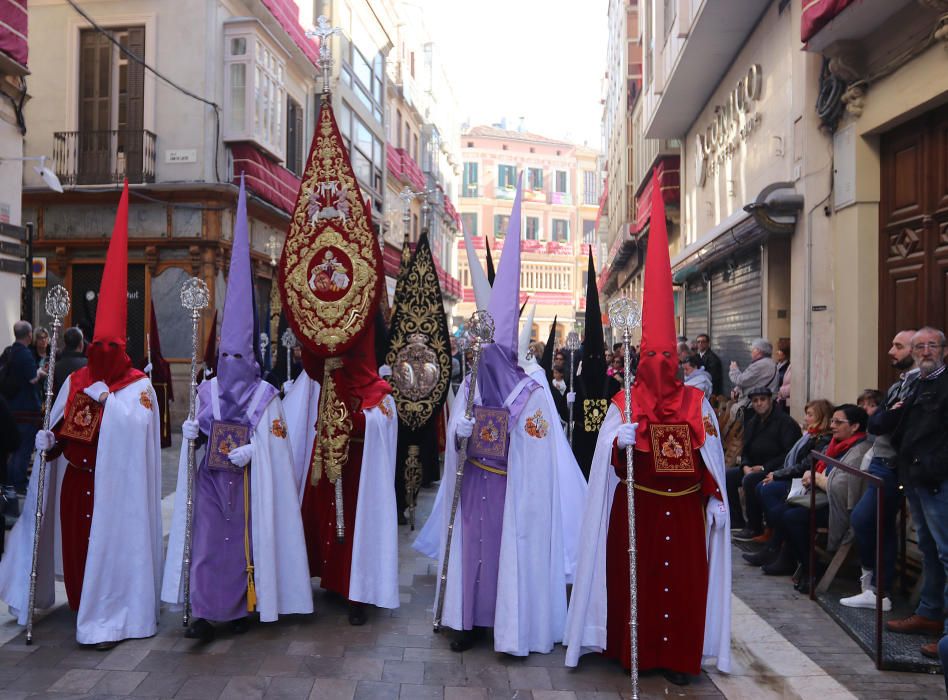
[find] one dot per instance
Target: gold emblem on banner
(333, 431)
(415, 371)
(329, 271)
(594, 413)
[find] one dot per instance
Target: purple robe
(482, 517)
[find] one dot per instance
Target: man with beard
(105, 460)
(681, 521)
(247, 547)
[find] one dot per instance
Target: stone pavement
(397, 655)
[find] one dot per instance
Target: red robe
(671, 562)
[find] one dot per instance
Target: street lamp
(49, 177)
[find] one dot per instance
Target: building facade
(561, 192)
(807, 138)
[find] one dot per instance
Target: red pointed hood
(112, 310)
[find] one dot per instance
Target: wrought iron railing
(100, 157)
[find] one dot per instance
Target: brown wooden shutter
(133, 140)
(95, 104)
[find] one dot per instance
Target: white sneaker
(866, 599)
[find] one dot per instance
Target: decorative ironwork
(101, 157)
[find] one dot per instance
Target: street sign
(39, 272)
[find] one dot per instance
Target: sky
(543, 60)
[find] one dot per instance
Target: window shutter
(134, 138)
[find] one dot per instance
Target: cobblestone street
(785, 647)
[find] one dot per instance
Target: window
(561, 181)
(255, 98)
(533, 228)
(501, 221)
(414, 227)
(294, 136)
(671, 14)
(589, 231)
(561, 230)
(469, 223)
(366, 152)
(535, 178)
(366, 77)
(590, 187)
(398, 127)
(469, 182)
(506, 176)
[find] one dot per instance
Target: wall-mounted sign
(181, 155)
(733, 122)
(39, 272)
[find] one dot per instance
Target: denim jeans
(19, 462)
(795, 521)
(929, 508)
(863, 521)
(773, 499)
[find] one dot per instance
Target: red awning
(817, 14)
(13, 30)
(265, 178)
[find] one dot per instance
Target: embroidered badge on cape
(278, 428)
(489, 440)
(145, 400)
(671, 449)
(594, 413)
(83, 416)
(709, 428)
(536, 425)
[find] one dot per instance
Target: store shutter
(736, 302)
(696, 308)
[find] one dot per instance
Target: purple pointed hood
(499, 372)
(238, 374)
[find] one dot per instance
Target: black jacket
(794, 471)
(712, 363)
(767, 441)
(920, 436)
(9, 439)
(70, 361)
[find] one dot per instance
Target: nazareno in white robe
(373, 577)
(588, 608)
(123, 567)
(281, 571)
(530, 613)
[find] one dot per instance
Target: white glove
(570, 397)
(626, 435)
(96, 390)
(465, 427)
(716, 513)
(190, 430)
(385, 371)
(45, 439)
(287, 385)
(148, 368)
(240, 456)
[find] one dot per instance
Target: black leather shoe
(744, 535)
(200, 629)
(676, 677)
(783, 565)
(764, 556)
(240, 626)
(463, 641)
(356, 615)
(106, 646)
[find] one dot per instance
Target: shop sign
(734, 121)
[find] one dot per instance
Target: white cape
(123, 566)
(588, 610)
(301, 406)
(572, 484)
(530, 612)
(280, 566)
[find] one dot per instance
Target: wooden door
(913, 224)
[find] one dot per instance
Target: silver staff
(289, 341)
(624, 315)
(57, 306)
(572, 345)
(194, 297)
(480, 331)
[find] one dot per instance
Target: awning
(265, 178)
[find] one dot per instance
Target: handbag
(800, 495)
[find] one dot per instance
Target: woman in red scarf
(848, 445)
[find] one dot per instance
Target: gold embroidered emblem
(145, 400)
(594, 413)
(83, 417)
(489, 434)
(709, 428)
(536, 425)
(671, 449)
(227, 445)
(278, 428)
(333, 429)
(385, 408)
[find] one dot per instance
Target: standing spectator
(921, 442)
(684, 352)
(882, 463)
(40, 348)
(782, 359)
(696, 375)
(72, 358)
(768, 437)
(761, 372)
(23, 375)
(712, 363)
(9, 441)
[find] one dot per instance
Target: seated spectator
(761, 372)
(696, 375)
(848, 445)
(768, 437)
(772, 491)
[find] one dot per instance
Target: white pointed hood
(478, 276)
(531, 364)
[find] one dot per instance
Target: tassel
(251, 591)
(251, 588)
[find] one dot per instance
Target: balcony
(560, 198)
(470, 190)
(534, 196)
(823, 24)
(505, 192)
(104, 157)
